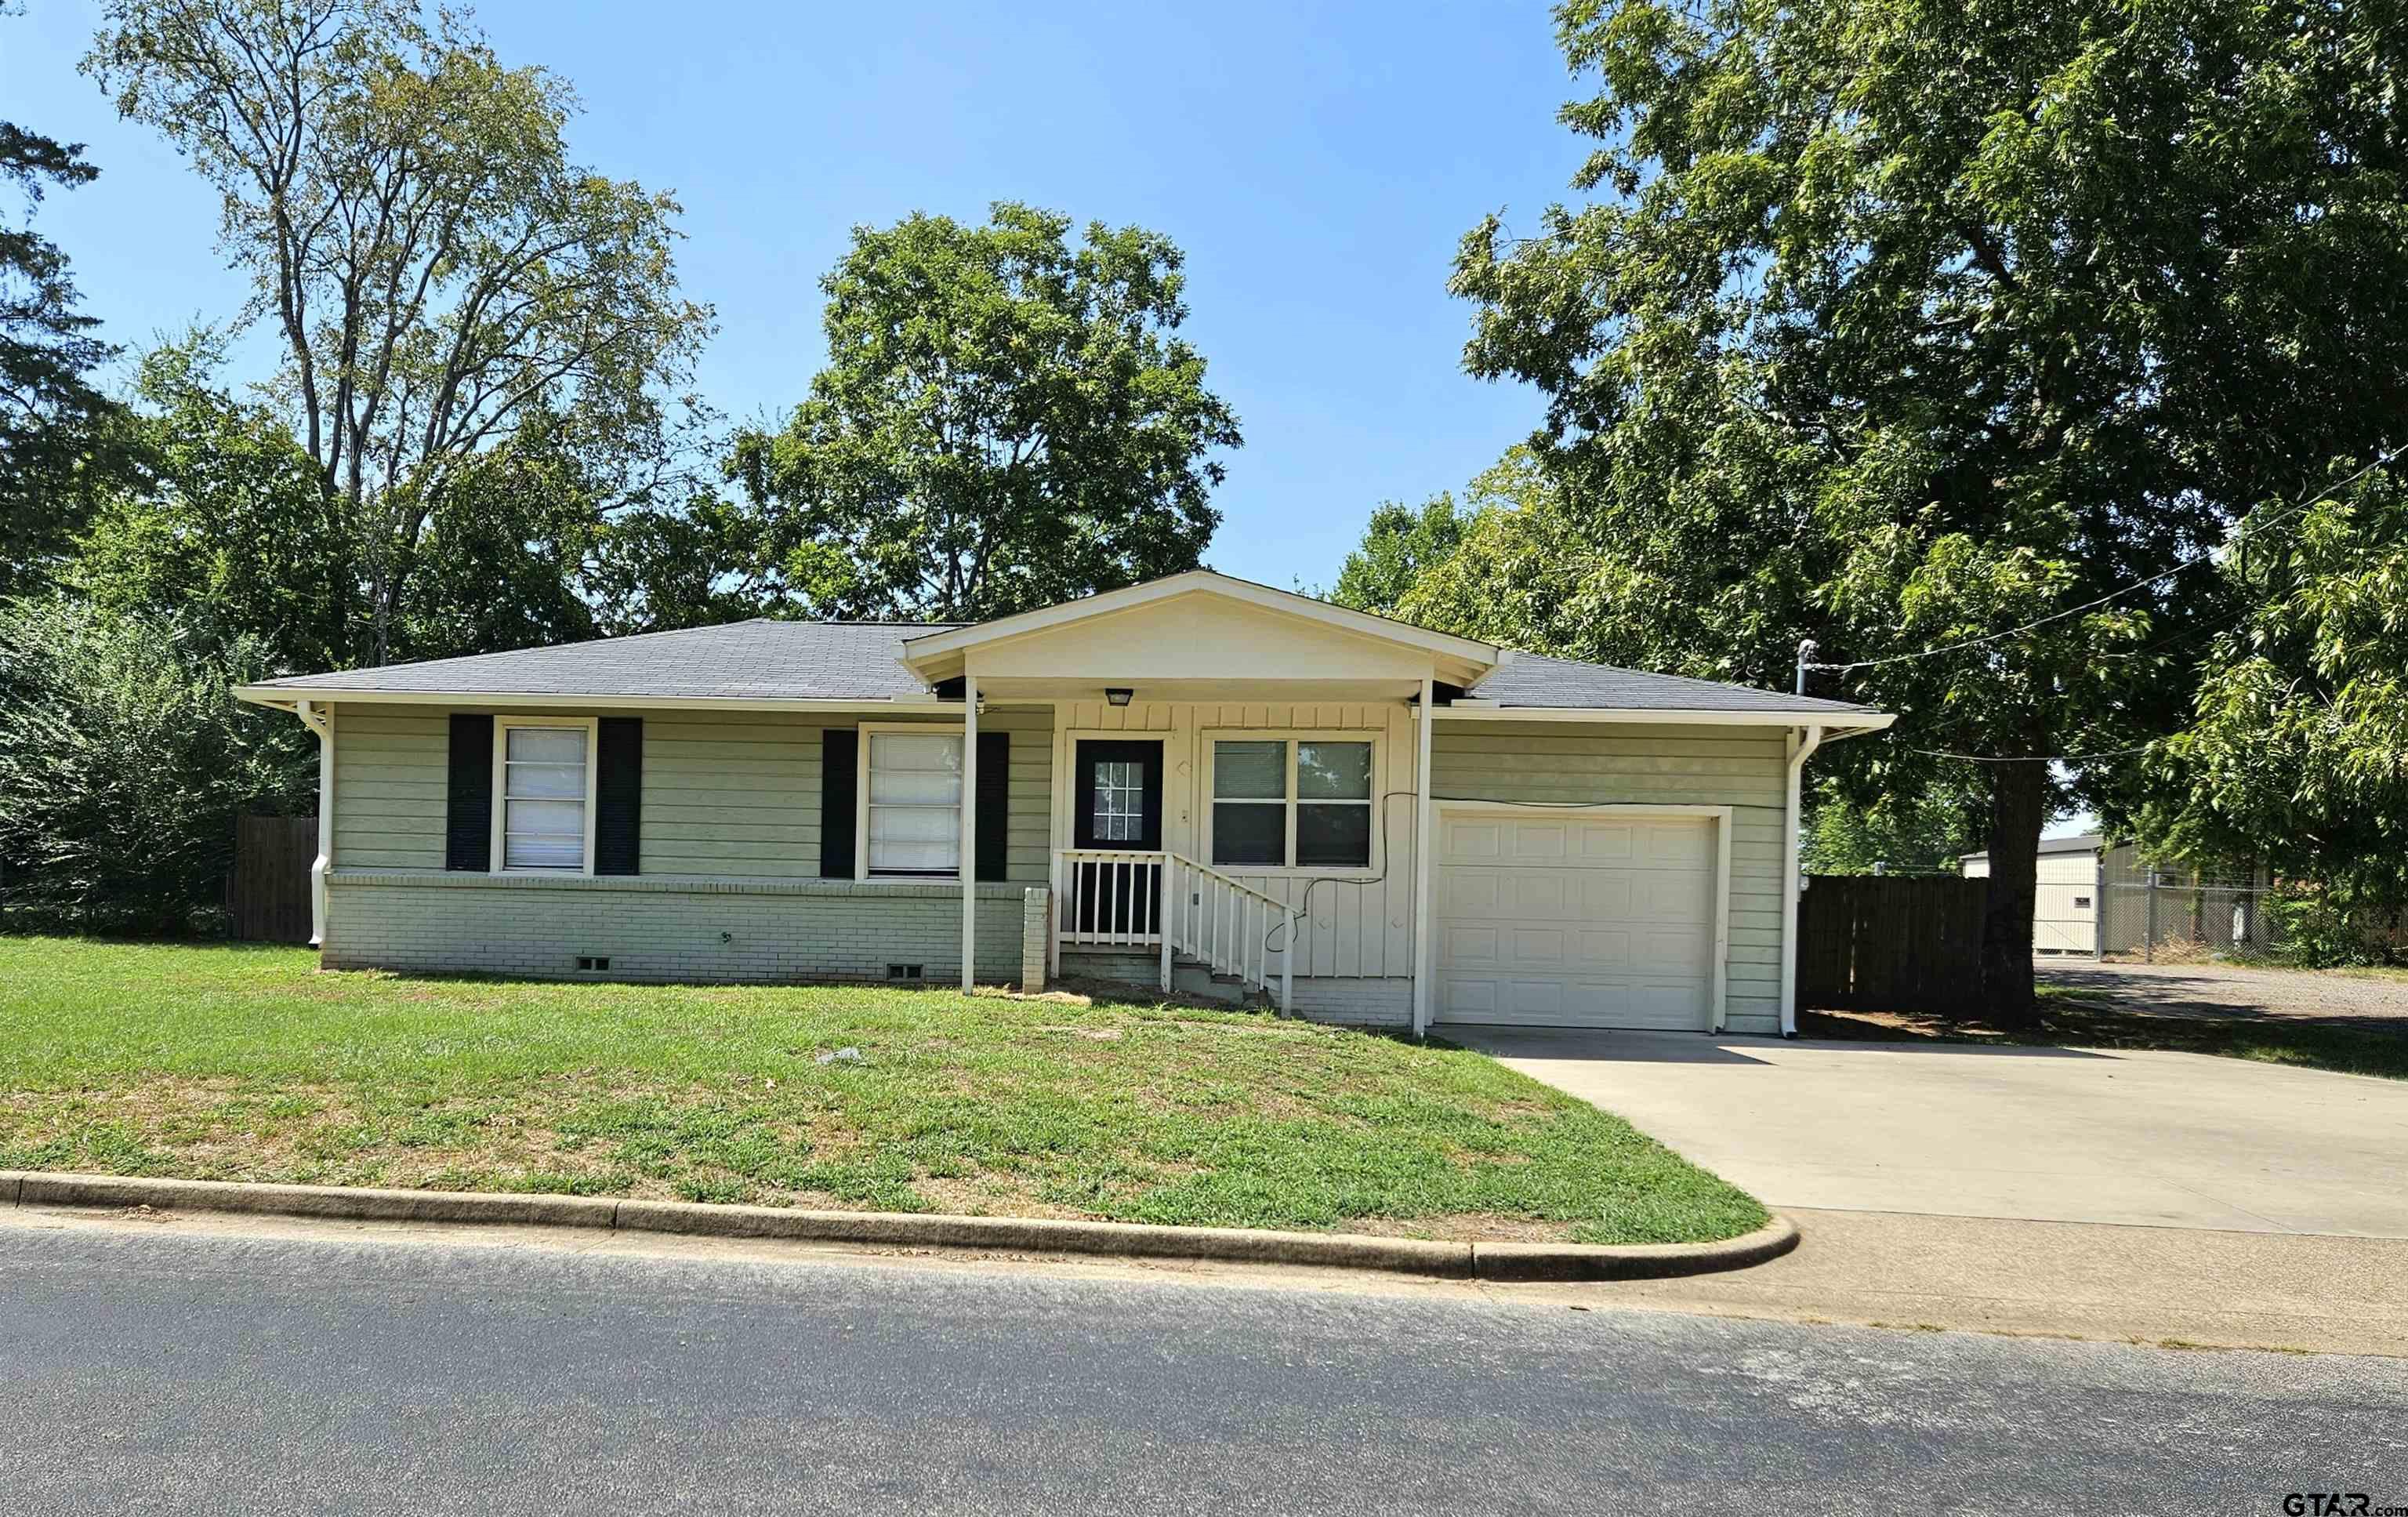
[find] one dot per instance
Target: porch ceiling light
(1119, 695)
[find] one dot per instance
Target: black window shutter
(840, 782)
(994, 821)
(619, 795)
(468, 796)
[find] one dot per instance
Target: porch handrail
(1155, 898)
(1232, 882)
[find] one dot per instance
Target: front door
(1119, 806)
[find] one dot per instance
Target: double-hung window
(1302, 803)
(911, 802)
(543, 786)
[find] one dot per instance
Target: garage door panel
(1539, 893)
(1569, 1001)
(1673, 895)
(1604, 949)
(1604, 842)
(1468, 944)
(1472, 842)
(1675, 954)
(1611, 895)
(1576, 921)
(1539, 842)
(1679, 848)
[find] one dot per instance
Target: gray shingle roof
(758, 660)
(1534, 680)
(768, 659)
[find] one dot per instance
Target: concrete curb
(903, 1229)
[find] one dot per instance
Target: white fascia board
(1837, 724)
(284, 697)
(919, 651)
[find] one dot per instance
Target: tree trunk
(2017, 796)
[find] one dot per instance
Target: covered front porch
(1240, 782)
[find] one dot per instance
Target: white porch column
(1801, 747)
(1425, 960)
(970, 829)
(321, 721)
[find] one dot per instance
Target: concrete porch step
(1188, 976)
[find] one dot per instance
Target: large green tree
(53, 424)
(1908, 325)
(1005, 422)
(224, 526)
(2297, 758)
(441, 275)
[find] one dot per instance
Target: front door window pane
(1120, 801)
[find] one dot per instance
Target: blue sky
(1316, 163)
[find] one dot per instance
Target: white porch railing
(1141, 899)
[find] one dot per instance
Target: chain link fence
(2169, 919)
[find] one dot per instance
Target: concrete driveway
(2057, 1135)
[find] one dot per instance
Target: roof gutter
(1843, 723)
(287, 697)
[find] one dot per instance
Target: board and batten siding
(1361, 920)
(726, 795)
(1744, 769)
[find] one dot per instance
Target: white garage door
(1568, 920)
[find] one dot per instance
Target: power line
(2046, 758)
(2247, 526)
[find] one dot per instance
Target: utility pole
(1806, 651)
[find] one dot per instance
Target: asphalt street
(154, 1372)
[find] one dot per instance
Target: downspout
(1799, 751)
(1424, 956)
(970, 829)
(321, 720)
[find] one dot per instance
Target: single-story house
(1196, 780)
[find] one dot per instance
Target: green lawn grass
(237, 1062)
(2068, 1020)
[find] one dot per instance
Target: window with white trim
(1302, 803)
(543, 791)
(911, 803)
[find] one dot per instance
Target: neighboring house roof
(2087, 843)
(773, 661)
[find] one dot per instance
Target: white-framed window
(1292, 800)
(910, 820)
(543, 795)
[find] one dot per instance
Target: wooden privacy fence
(268, 892)
(1890, 943)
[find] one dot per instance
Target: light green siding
(1744, 769)
(389, 786)
(725, 794)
